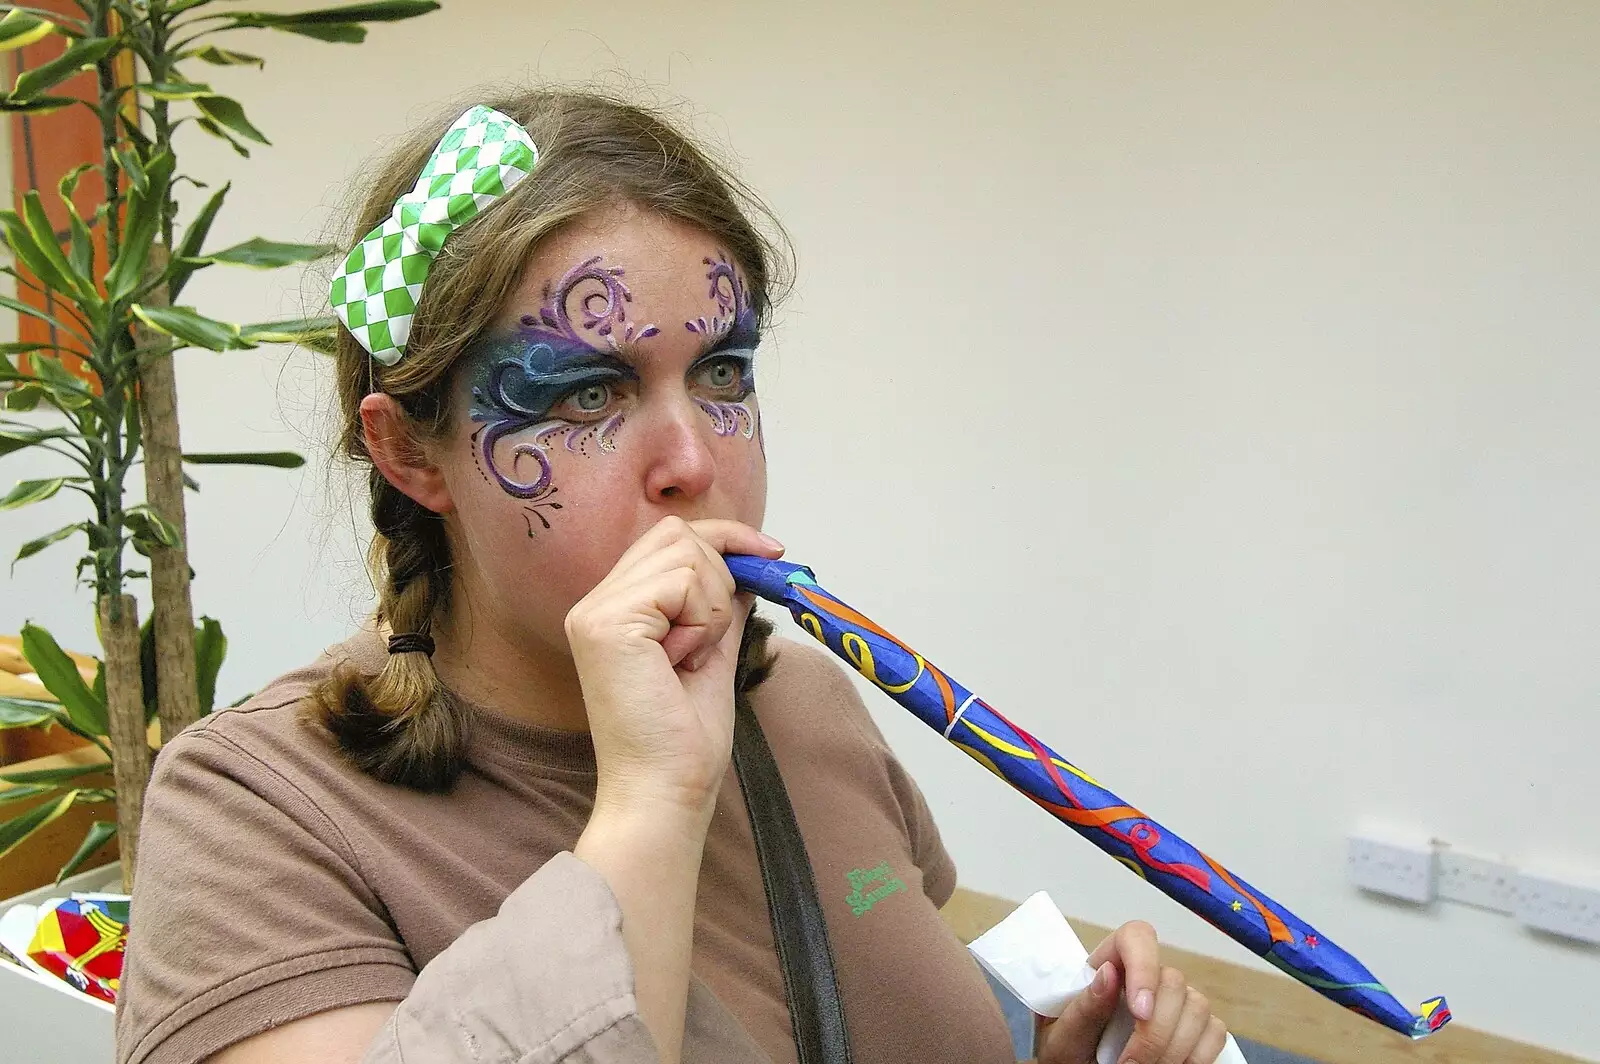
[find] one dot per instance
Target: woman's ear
(399, 457)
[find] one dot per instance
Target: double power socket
(1421, 871)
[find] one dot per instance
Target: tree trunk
(177, 699)
(130, 748)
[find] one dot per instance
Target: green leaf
(14, 439)
(184, 324)
(53, 775)
(28, 492)
(229, 114)
(134, 169)
(275, 459)
(22, 792)
(210, 647)
(270, 254)
(32, 311)
(331, 32)
(25, 712)
(81, 54)
(144, 220)
(34, 546)
(223, 57)
(68, 391)
(20, 29)
(23, 347)
(194, 235)
(44, 233)
(39, 105)
(82, 254)
(68, 185)
(59, 674)
(151, 529)
(222, 135)
(174, 90)
(319, 334)
(28, 252)
(25, 396)
(383, 11)
(99, 833)
(18, 828)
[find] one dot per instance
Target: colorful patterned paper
(81, 940)
(1072, 796)
(482, 156)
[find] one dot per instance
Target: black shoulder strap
(815, 1008)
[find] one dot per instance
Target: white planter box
(42, 1019)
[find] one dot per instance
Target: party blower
(1154, 853)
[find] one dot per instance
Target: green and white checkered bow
(375, 292)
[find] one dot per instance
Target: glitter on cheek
(728, 419)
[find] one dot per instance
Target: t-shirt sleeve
(548, 978)
(222, 942)
(927, 847)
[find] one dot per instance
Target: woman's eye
(590, 399)
(725, 374)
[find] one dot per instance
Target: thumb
(1072, 1038)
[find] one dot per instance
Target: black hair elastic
(411, 643)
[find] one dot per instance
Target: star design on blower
(1237, 905)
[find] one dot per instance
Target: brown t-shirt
(277, 881)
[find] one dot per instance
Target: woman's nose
(682, 465)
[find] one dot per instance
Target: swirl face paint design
(538, 381)
(732, 326)
(519, 380)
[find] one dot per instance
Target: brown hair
(402, 725)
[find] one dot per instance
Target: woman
(501, 824)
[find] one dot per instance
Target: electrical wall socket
(1473, 879)
(1570, 910)
(1397, 869)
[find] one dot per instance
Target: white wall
(1227, 372)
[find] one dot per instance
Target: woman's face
(617, 388)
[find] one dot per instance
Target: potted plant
(93, 385)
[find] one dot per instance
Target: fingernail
(1143, 1004)
(1102, 980)
(770, 542)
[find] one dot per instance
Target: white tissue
(1036, 955)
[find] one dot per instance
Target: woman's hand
(655, 644)
(1172, 1021)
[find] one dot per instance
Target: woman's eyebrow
(738, 338)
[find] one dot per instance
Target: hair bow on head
(481, 158)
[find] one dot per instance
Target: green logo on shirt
(869, 886)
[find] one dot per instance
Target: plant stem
(106, 70)
(177, 694)
(130, 750)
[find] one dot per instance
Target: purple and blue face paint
(554, 381)
(733, 331)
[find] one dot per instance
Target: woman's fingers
(1134, 949)
(1211, 1043)
(734, 537)
(689, 628)
(694, 633)
(1192, 1022)
(1152, 1036)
